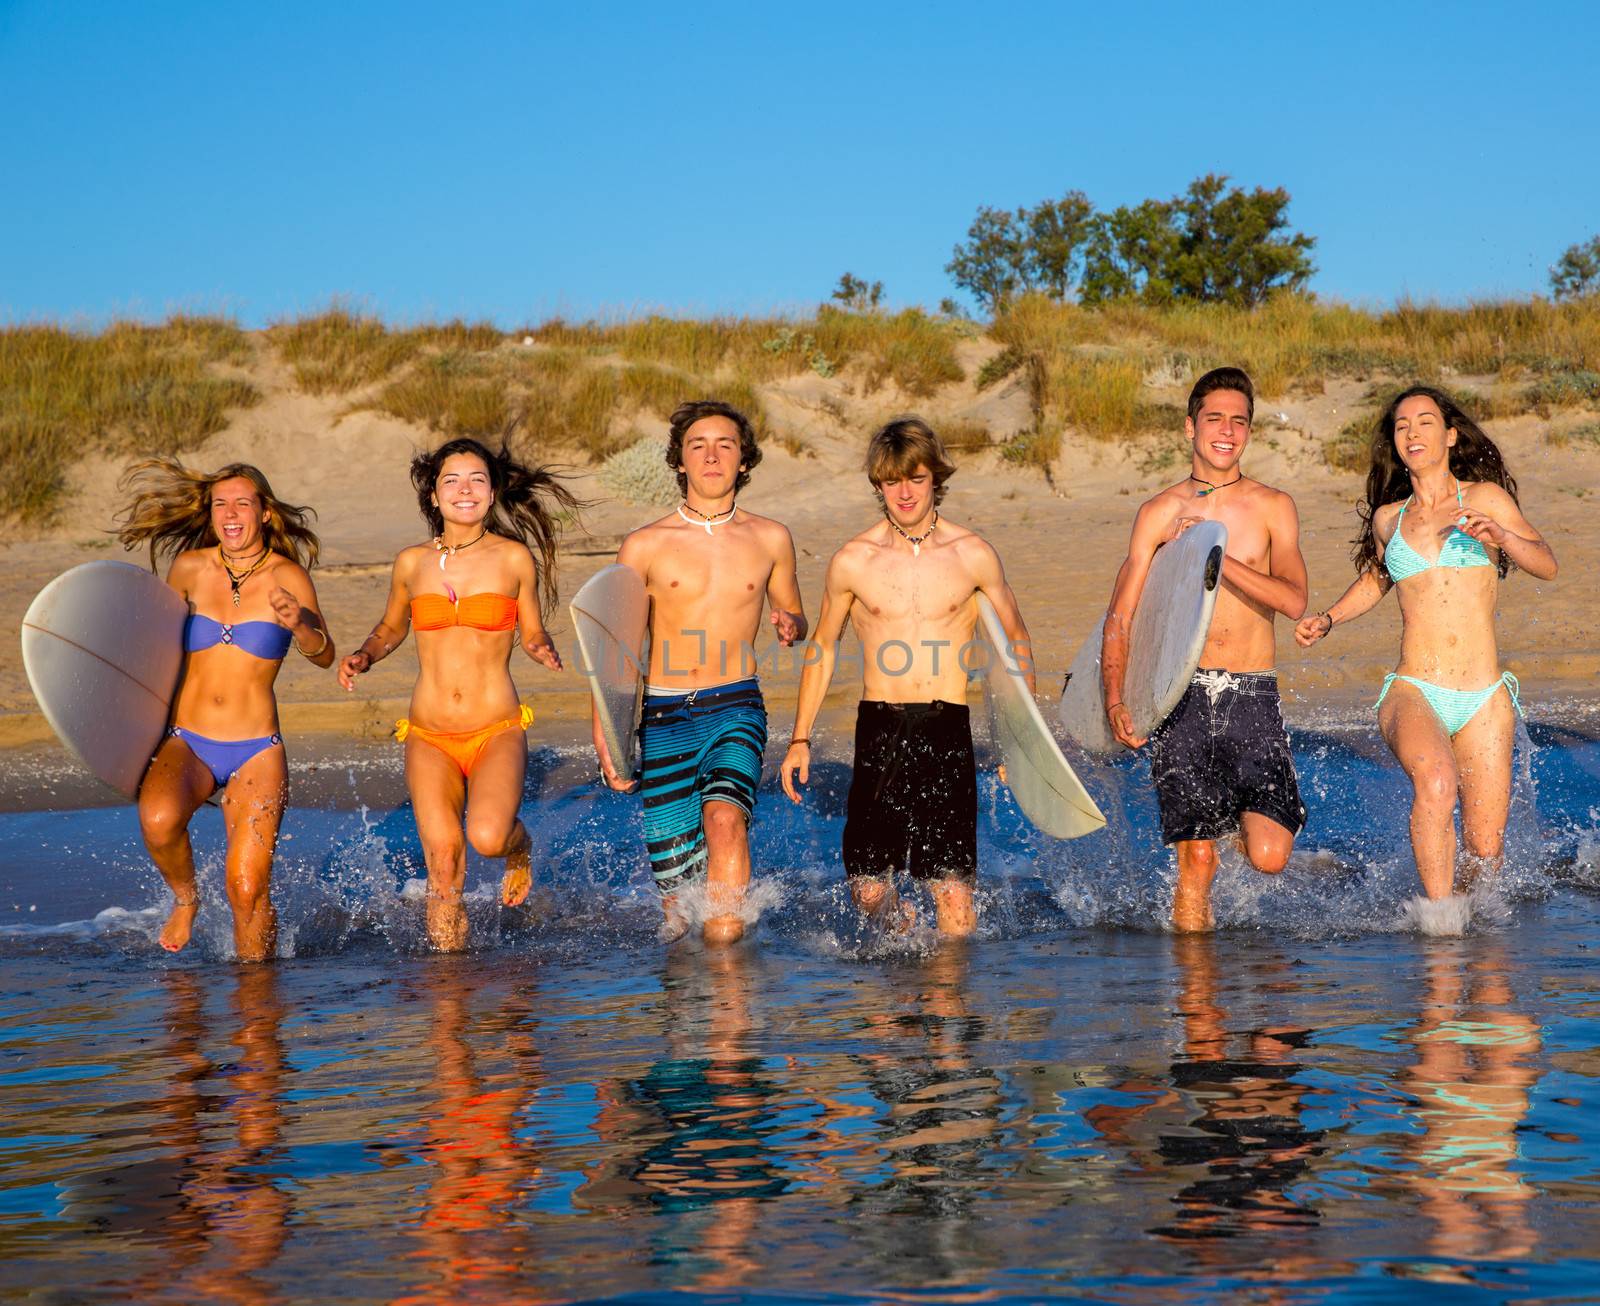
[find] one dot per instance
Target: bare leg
(1418, 740)
(1267, 844)
(438, 797)
(877, 898)
(727, 871)
(1191, 900)
(495, 794)
(952, 901)
(252, 810)
(174, 787)
(1483, 763)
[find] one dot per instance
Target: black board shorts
(913, 802)
(1221, 753)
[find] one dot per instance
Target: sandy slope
(1061, 540)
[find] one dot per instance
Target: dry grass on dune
(1088, 367)
(339, 350)
(132, 388)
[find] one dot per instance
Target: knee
(489, 835)
(868, 893)
(1436, 785)
(161, 824)
(1200, 858)
(722, 822)
(1488, 844)
(1270, 859)
(247, 891)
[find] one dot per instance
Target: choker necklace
(1210, 488)
(238, 578)
(447, 551)
(915, 541)
(708, 519)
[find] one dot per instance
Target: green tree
(1057, 231)
(1577, 272)
(857, 295)
(1210, 244)
(992, 266)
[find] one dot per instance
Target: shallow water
(1320, 1102)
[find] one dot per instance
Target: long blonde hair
(171, 511)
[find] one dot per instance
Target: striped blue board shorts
(695, 748)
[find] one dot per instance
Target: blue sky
(513, 161)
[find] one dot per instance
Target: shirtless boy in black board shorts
(1220, 762)
(910, 584)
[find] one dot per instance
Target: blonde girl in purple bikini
(1441, 525)
(240, 557)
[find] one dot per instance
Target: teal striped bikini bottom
(1455, 707)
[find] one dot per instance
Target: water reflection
(1471, 1083)
(467, 1245)
(218, 1203)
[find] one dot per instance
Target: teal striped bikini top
(1459, 549)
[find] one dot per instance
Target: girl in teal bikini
(1441, 524)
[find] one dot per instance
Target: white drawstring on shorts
(1216, 683)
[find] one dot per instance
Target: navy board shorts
(913, 802)
(698, 747)
(1221, 753)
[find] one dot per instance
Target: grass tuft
(131, 388)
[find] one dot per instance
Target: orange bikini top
(480, 611)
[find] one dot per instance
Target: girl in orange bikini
(467, 592)
(239, 556)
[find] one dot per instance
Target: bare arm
(536, 641)
(294, 602)
(388, 634)
(1493, 517)
(783, 593)
(1283, 587)
(635, 555)
(1364, 594)
(837, 597)
(1151, 528)
(991, 583)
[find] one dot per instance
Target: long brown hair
(526, 502)
(1473, 457)
(171, 511)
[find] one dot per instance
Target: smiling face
(1421, 438)
(711, 457)
(463, 492)
(908, 499)
(1219, 432)
(237, 515)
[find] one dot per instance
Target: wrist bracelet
(321, 648)
(793, 742)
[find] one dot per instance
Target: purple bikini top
(262, 639)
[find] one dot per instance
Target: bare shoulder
(1267, 500)
(966, 540)
(1487, 497)
(410, 558)
(774, 534)
(1384, 518)
(289, 573)
(512, 551)
(188, 563)
(857, 552)
(1157, 513)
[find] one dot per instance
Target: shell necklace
(915, 541)
(708, 519)
(448, 551)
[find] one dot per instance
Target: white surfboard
(1046, 789)
(611, 618)
(103, 646)
(1169, 631)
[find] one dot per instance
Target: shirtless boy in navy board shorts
(1221, 761)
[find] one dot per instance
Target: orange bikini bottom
(464, 747)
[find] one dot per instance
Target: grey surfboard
(1169, 632)
(611, 618)
(1043, 783)
(103, 647)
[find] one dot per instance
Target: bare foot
(180, 924)
(518, 878)
(722, 929)
(447, 921)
